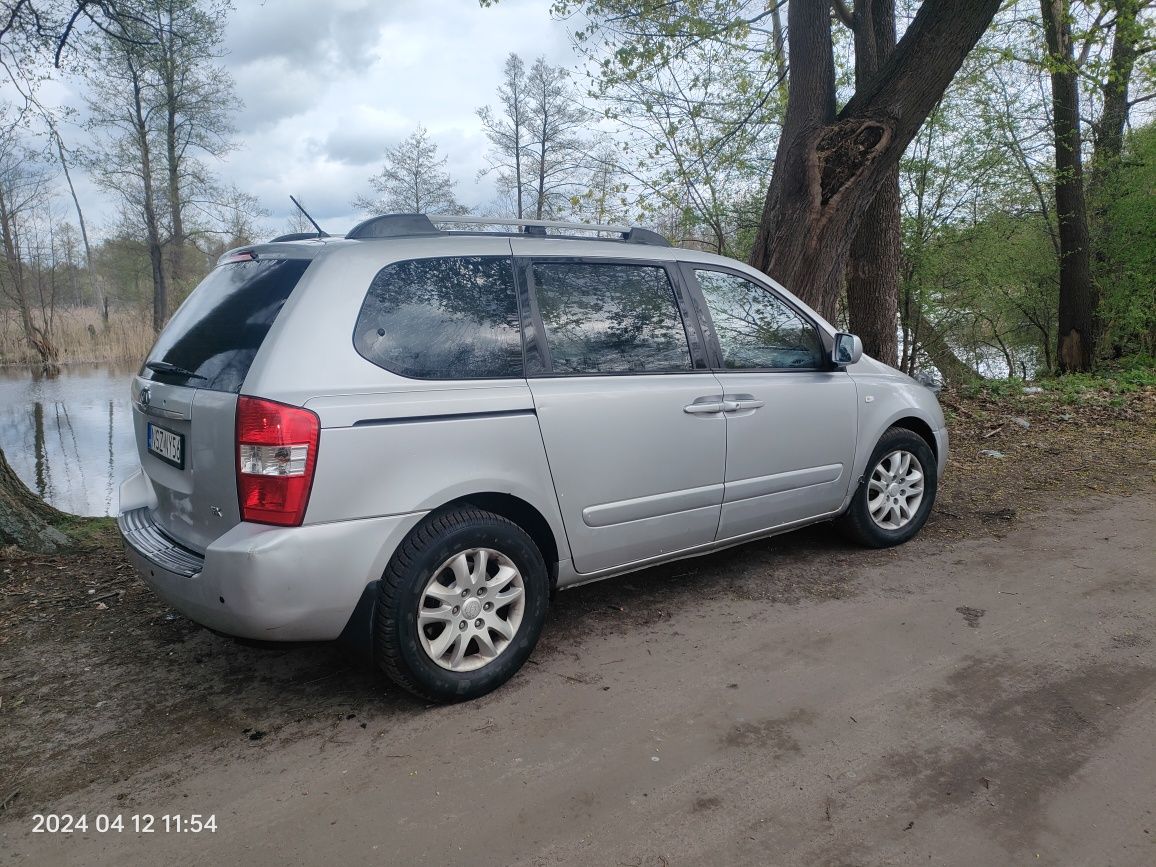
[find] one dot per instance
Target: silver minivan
(414, 435)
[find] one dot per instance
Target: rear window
(454, 317)
(212, 339)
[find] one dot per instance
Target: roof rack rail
(298, 236)
(408, 225)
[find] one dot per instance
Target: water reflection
(69, 437)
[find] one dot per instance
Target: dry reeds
(81, 335)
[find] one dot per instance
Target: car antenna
(321, 233)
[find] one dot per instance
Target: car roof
(399, 227)
(407, 238)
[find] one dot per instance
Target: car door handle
(703, 408)
(739, 402)
(708, 405)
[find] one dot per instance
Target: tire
(440, 565)
(858, 523)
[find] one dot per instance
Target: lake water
(70, 437)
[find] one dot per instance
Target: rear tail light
(276, 455)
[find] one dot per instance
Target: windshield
(212, 339)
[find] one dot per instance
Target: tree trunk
(174, 158)
(156, 253)
(38, 338)
(89, 264)
(541, 170)
(26, 521)
(1109, 135)
(936, 347)
(177, 237)
(152, 227)
(1109, 138)
(828, 169)
(1078, 299)
(873, 272)
(789, 256)
(517, 122)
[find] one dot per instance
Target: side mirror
(847, 350)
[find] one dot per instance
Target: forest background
(991, 167)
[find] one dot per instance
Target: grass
(81, 335)
(87, 532)
(1111, 381)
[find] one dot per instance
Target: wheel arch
(522, 513)
(920, 428)
(874, 425)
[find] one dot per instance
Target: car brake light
(276, 454)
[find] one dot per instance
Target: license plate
(166, 445)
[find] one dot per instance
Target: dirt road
(954, 703)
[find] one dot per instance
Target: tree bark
(1109, 135)
(1078, 297)
(168, 48)
(176, 204)
(873, 272)
(26, 521)
(829, 169)
(152, 226)
(1109, 138)
(780, 51)
(542, 165)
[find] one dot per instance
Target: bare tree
(554, 121)
(125, 111)
(24, 194)
(197, 95)
(506, 130)
(51, 26)
(412, 181)
(604, 199)
(160, 105)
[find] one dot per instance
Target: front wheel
(460, 606)
(896, 494)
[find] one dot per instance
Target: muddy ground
(985, 693)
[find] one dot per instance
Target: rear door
(791, 420)
(185, 397)
(630, 415)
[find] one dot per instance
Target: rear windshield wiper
(175, 369)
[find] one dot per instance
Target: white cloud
(328, 86)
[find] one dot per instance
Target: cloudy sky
(327, 86)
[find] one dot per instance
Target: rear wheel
(896, 494)
(460, 606)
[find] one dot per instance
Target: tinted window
(448, 318)
(755, 328)
(216, 333)
(607, 318)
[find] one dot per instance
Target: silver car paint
(276, 583)
(623, 477)
(197, 504)
(790, 458)
(636, 475)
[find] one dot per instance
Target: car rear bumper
(268, 583)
